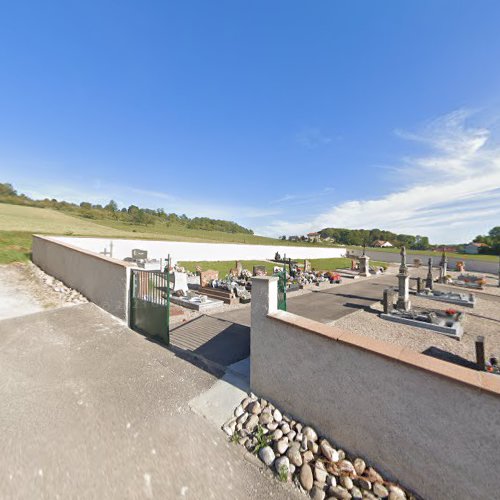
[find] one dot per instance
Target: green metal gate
(150, 303)
(282, 287)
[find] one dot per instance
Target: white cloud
(454, 193)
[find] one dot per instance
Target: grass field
(47, 221)
(460, 256)
(15, 246)
(17, 223)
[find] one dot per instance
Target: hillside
(18, 223)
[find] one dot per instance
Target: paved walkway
(219, 341)
(326, 305)
(90, 409)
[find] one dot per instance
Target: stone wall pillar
(264, 302)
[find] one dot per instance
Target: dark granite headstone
(388, 301)
(138, 254)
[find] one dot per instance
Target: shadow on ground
(436, 352)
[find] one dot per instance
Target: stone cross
(110, 253)
(403, 268)
(429, 281)
(403, 302)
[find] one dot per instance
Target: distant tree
(495, 232)
(7, 190)
(112, 206)
(421, 243)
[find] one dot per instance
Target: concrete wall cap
(484, 381)
(53, 239)
(265, 278)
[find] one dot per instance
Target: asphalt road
(90, 409)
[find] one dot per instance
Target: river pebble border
(297, 454)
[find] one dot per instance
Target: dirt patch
(26, 289)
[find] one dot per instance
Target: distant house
(382, 244)
(473, 248)
(447, 249)
(313, 237)
(293, 238)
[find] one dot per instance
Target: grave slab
(208, 305)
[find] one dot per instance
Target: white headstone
(180, 281)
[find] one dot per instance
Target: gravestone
(419, 284)
(180, 281)
(403, 302)
(307, 266)
(480, 357)
(443, 268)
(429, 281)
(206, 277)
(388, 301)
(277, 256)
(239, 267)
(138, 254)
(259, 270)
(364, 265)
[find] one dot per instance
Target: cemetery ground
(354, 306)
(223, 267)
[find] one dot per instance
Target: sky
(284, 116)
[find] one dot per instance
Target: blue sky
(285, 116)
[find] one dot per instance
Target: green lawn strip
(224, 266)
(436, 253)
(15, 246)
(328, 264)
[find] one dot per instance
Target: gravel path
(26, 289)
(15, 296)
(483, 319)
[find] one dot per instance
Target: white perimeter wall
(180, 250)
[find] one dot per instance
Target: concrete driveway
(90, 409)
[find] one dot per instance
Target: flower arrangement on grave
(451, 312)
(492, 365)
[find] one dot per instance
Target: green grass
(15, 246)
(460, 256)
(330, 264)
(224, 266)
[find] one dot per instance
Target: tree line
(131, 215)
(492, 239)
(367, 237)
